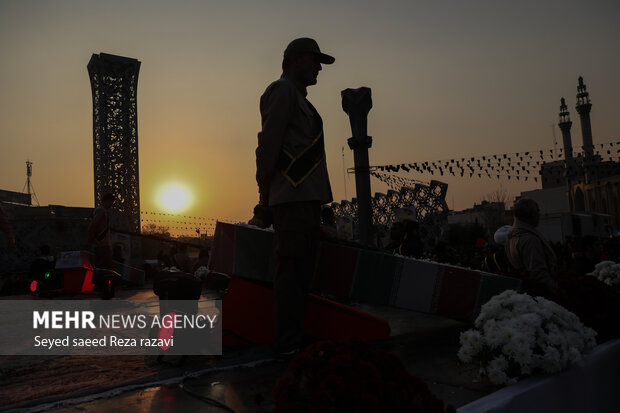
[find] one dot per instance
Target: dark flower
(286, 388)
(333, 386)
(286, 407)
(258, 399)
(352, 376)
(319, 403)
(368, 404)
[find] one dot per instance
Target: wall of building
(551, 200)
(602, 196)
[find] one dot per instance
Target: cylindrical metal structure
(357, 103)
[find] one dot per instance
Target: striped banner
(366, 276)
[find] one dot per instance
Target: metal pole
(357, 103)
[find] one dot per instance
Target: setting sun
(174, 197)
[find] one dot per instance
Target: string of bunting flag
(180, 223)
(517, 165)
(396, 182)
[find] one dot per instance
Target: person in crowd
(397, 234)
(328, 222)
(203, 259)
(99, 233)
(181, 259)
(412, 245)
(496, 260)
(587, 253)
(164, 257)
(262, 217)
(528, 250)
(406, 238)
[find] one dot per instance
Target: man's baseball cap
(307, 45)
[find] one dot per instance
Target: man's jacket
(290, 157)
(528, 251)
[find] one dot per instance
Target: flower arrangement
(201, 272)
(352, 377)
(516, 335)
(608, 272)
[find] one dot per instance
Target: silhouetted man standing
(291, 172)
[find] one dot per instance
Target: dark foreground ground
(426, 344)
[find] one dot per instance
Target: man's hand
(262, 216)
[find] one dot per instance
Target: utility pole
(28, 185)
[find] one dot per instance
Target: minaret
(565, 125)
(583, 107)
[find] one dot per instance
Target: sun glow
(174, 197)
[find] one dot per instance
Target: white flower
(496, 370)
(608, 272)
(497, 376)
(523, 356)
(574, 356)
(472, 339)
(530, 334)
(201, 272)
(465, 354)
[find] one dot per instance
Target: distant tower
(28, 185)
(565, 125)
(114, 84)
(583, 107)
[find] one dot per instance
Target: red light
(166, 330)
(33, 286)
(109, 282)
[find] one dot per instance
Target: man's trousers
(297, 228)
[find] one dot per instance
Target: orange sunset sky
(448, 78)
